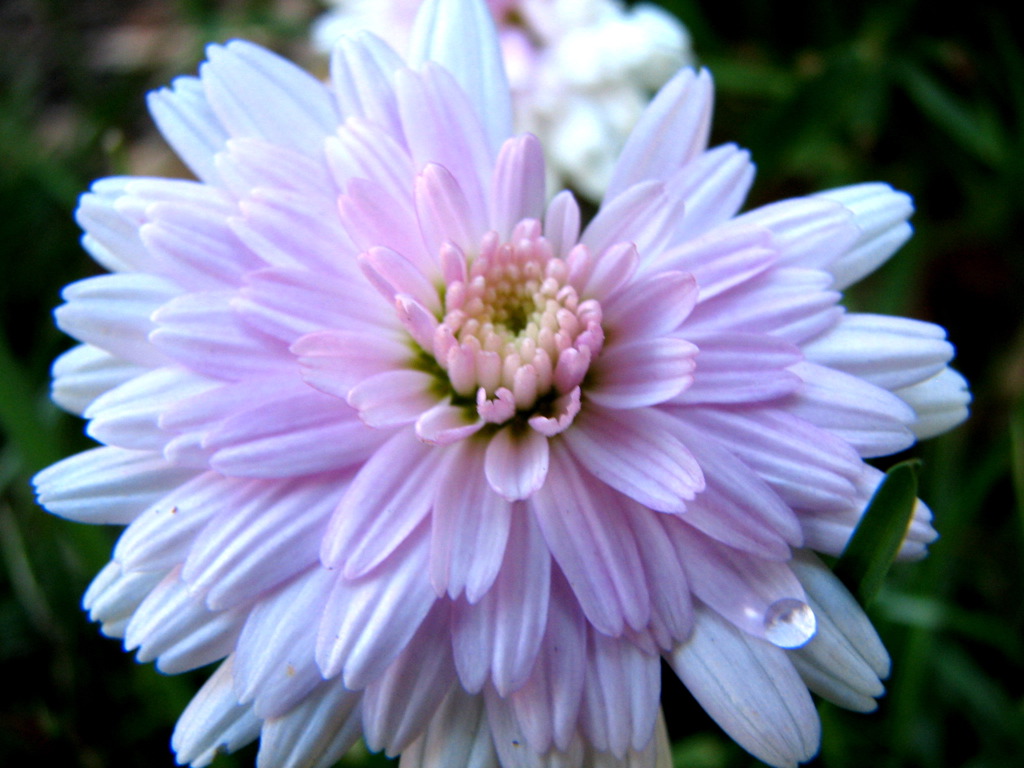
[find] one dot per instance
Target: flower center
(515, 331)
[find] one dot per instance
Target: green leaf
(872, 548)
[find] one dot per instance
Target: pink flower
(424, 460)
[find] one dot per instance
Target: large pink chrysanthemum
(425, 462)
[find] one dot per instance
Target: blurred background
(823, 93)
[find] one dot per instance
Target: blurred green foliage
(824, 94)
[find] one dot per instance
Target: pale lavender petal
(289, 303)
(373, 216)
(869, 418)
(115, 594)
(721, 259)
(113, 312)
(213, 722)
(252, 162)
(671, 602)
(846, 659)
(393, 274)
(516, 462)
(599, 274)
(805, 464)
(635, 453)
(881, 213)
(162, 536)
(889, 352)
(619, 220)
(458, 735)
(642, 373)
(241, 78)
(107, 485)
(792, 304)
(711, 189)
(295, 433)
(940, 403)
(252, 548)
(442, 127)
(620, 695)
(445, 423)
(742, 368)
(444, 211)
(751, 689)
(807, 232)
(499, 636)
(362, 76)
(204, 333)
(460, 36)
(292, 230)
(761, 597)
(398, 706)
(274, 666)
(178, 630)
(367, 622)
(547, 707)
(562, 223)
(382, 506)
(190, 126)
(128, 416)
(335, 361)
(392, 398)
(315, 733)
(517, 189)
(592, 543)
(673, 130)
(651, 305)
(469, 527)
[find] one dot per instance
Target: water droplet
(789, 623)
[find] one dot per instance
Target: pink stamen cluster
(515, 330)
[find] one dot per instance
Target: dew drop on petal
(789, 623)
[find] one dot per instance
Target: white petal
(83, 373)
(460, 36)
(107, 485)
(516, 463)
(751, 689)
(458, 735)
(213, 722)
(939, 402)
(316, 733)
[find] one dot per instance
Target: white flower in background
(580, 71)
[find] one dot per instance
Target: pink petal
(383, 505)
(274, 665)
(469, 526)
(367, 622)
(445, 212)
(636, 454)
(742, 368)
(651, 305)
(252, 548)
(444, 424)
(642, 373)
(673, 130)
(335, 361)
(398, 705)
(517, 190)
(516, 464)
(362, 76)
(499, 636)
(214, 721)
(584, 526)
(393, 398)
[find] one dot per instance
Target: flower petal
(516, 463)
(751, 690)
